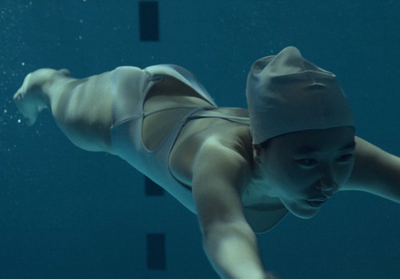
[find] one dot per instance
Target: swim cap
(286, 93)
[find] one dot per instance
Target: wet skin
(304, 169)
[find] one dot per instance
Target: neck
(258, 191)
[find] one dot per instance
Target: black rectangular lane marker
(148, 21)
(156, 254)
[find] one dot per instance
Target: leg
(30, 98)
(80, 107)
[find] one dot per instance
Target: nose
(328, 188)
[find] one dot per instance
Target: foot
(26, 101)
(30, 98)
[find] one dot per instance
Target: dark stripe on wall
(149, 31)
(156, 255)
(152, 189)
(148, 21)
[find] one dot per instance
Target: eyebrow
(311, 149)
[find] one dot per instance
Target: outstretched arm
(228, 239)
(375, 171)
(80, 107)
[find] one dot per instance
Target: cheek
(291, 184)
(276, 172)
(298, 178)
(344, 174)
(287, 175)
(349, 170)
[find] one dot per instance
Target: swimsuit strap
(196, 116)
(226, 117)
(166, 109)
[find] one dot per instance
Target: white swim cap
(286, 93)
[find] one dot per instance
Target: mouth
(315, 203)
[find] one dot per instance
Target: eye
(345, 158)
(307, 162)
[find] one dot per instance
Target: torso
(261, 213)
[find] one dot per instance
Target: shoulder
(209, 141)
(221, 162)
(219, 176)
(223, 154)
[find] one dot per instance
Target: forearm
(233, 251)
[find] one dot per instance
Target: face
(304, 169)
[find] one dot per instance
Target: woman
(240, 171)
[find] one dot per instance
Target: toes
(65, 72)
(17, 96)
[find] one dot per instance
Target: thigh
(128, 86)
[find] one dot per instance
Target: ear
(257, 153)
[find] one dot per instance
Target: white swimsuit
(133, 84)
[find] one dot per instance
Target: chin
(302, 212)
(307, 215)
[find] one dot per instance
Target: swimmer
(241, 171)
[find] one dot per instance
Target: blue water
(67, 213)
